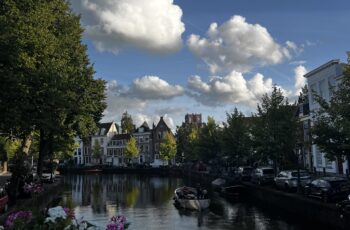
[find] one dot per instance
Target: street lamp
(298, 150)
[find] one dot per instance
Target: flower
(117, 223)
(21, 216)
(56, 213)
(33, 188)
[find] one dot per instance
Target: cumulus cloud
(238, 45)
(153, 88)
(300, 80)
(113, 24)
(230, 89)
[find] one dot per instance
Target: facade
(78, 153)
(116, 149)
(320, 81)
(101, 138)
(193, 119)
(158, 133)
(143, 136)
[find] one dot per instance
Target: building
(100, 139)
(116, 149)
(78, 153)
(143, 136)
(158, 133)
(320, 81)
(193, 119)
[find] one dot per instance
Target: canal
(147, 203)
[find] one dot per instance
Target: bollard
(324, 171)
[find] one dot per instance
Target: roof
(144, 126)
(322, 67)
(103, 128)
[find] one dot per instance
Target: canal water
(147, 203)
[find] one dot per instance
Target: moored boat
(188, 198)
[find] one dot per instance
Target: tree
(208, 145)
(131, 149)
(274, 130)
(331, 129)
(236, 137)
(186, 142)
(167, 149)
(47, 75)
(97, 150)
(127, 124)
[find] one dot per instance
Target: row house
(112, 144)
(320, 81)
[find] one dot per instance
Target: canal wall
(298, 206)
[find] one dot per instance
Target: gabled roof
(144, 126)
(103, 128)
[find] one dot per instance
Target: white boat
(186, 197)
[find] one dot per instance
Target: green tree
(186, 142)
(167, 149)
(47, 75)
(127, 124)
(208, 144)
(331, 129)
(236, 143)
(131, 149)
(97, 150)
(274, 130)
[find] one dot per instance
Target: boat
(92, 171)
(187, 197)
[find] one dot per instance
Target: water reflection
(147, 202)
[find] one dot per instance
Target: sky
(173, 57)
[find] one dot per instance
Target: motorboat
(232, 192)
(188, 198)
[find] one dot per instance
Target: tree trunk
(348, 159)
(42, 151)
(26, 143)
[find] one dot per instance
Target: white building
(320, 81)
(78, 153)
(101, 138)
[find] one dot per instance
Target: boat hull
(190, 203)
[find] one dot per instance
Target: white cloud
(139, 118)
(153, 88)
(300, 80)
(113, 24)
(230, 89)
(238, 45)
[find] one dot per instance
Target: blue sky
(168, 58)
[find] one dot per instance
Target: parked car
(263, 175)
(288, 180)
(244, 172)
(328, 188)
(48, 176)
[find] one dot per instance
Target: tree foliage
(47, 82)
(186, 143)
(208, 145)
(236, 144)
(274, 130)
(331, 129)
(167, 149)
(131, 149)
(96, 149)
(127, 124)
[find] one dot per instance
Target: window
(159, 135)
(101, 141)
(318, 158)
(330, 87)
